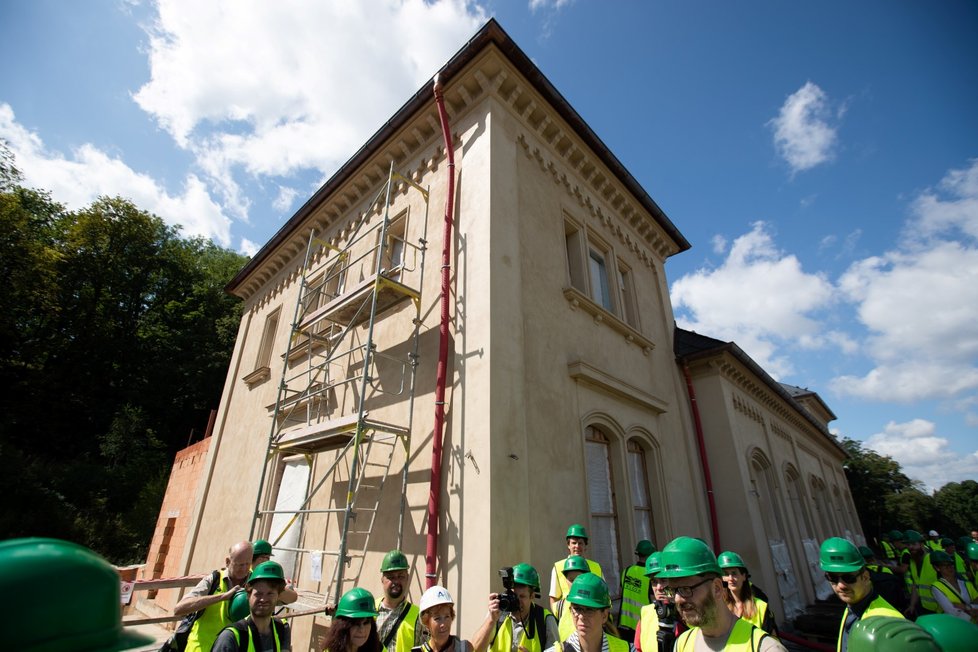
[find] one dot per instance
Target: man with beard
(259, 631)
(397, 620)
(213, 595)
(846, 571)
(692, 577)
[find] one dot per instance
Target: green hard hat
(357, 603)
(730, 559)
(951, 633)
(394, 561)
(897, 535)
(267, 570)
(576, 563)
(644, 548)
(527, 575)
(940, 557)
(973, 551)
(261, 547)
(838, 555)
(577, 531)
(686, 556)
(913, 536)
(653, 565)
(946, 541)
(71, 597)
(885, 633)
(962, 543)
(866, 552)
(239, 608)
(589, 590)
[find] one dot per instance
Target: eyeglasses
(685, 592)
(583, 612)
(848, 578)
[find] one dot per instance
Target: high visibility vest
(634, 595)
(934, 545)
(504, 634)
(922, 581)
(760, 611)
(276, 626)
(565, 621)
(562, 584)
(888, 551)
(879, 568)
(878, 607)
(650, 629)
(960, 567)
(951, 593)
(744, 637)
(404, 640)
(211, 622)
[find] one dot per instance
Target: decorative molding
(746, 407)
(259, 375)
(578, 300)
(586, 373)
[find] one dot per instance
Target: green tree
(878, 487)
(957, 503)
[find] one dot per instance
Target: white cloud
(548, 4)
(923, 454)
(802, 133)
(89, 172)
(286, 196)
(919, 302)
(248, 248)
(272, 92)
(719, 244)
(759, 297)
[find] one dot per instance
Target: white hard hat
(433, 597)
(933, 533)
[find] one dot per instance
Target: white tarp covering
(822, 588)
(787, 583)
(284, 531)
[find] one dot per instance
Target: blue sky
(822, 158)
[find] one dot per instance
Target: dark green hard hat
(261, 547)
(838, 555)
(69, 598)
(589, 590)
(644, 548)
(730, 559)
(884, 633)
(973, 551)
(962, 544)
(897, 535)
(913, 536)
(526, 575)
(686, 556)
(951, 633)
(394, 561)
(946, 541)
(866, 552)
(576, 563)
(653, 565)
(357, 603)
(267, 570)
(577, 531)
(239, 608)
(940, 557)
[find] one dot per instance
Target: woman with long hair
(354, 626)
(740, 597)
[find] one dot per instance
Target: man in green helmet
(516, 623)
(920, 576)
(636, 591)
(660, 624)
(846, 571)
(577, 541)
(261, 552)
(259, 630)
(574, 567)
(693, 579)
(397, 619)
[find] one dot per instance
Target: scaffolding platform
(332, 434)
(352, 309)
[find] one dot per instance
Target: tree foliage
(115, 337)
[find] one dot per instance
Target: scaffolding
(333, 377)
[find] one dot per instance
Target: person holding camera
(516, 623)
(659, 624)
(577, 540)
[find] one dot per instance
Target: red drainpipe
(701, 445)
(434, 488)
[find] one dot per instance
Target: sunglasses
(685, 592)
(848, 578)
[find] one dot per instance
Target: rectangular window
(268, 340)
(626, 295)
(604, 519)
(574, 243)
(600, 288)
(641, 498)
(394, 246)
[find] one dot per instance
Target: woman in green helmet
(740, 598)
(354, 626)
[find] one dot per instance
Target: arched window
(638, 479)
(603, 546)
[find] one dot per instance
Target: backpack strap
(539, 620)
(397, 625)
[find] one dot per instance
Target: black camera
(508, 601)
(666, 613)
(666, 640)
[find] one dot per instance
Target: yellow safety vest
(565, 621)
(404, 640)
(888, 551)
(744, 636)
(952, 594)
(251, 639)
(504, 635)
(960, 567)
(760, 611)
(634, 595)
(878, 607)
(211, 622)
(650, 629)
(879, 568)
(922, 580)
(562, 585)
